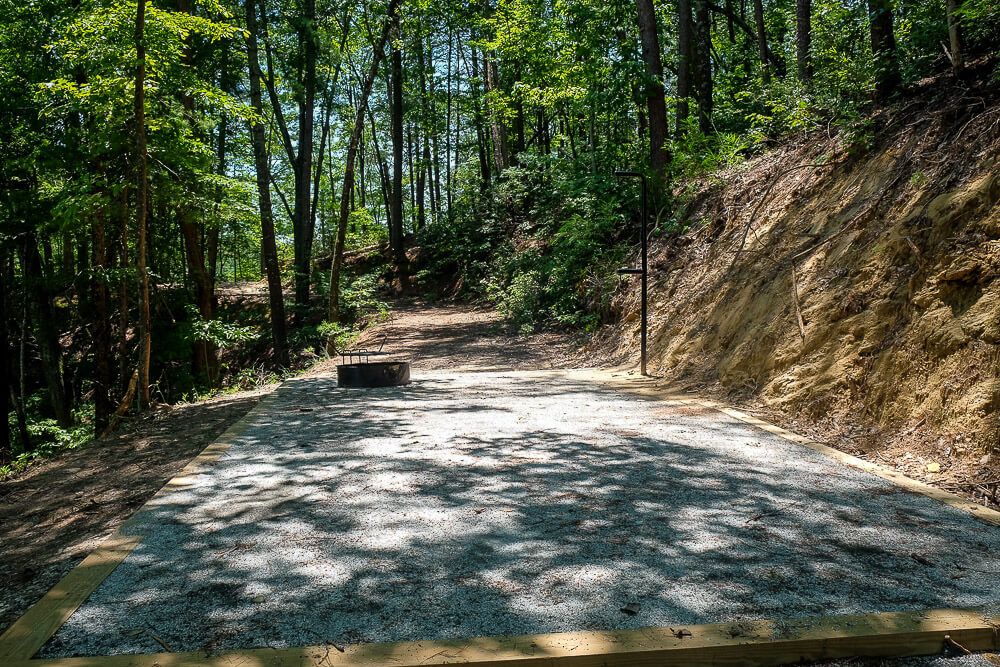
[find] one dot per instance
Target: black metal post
(644, 271)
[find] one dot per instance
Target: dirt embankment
(851, 291)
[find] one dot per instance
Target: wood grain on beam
(745, 643)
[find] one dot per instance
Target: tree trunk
(887, 77)
(333, 312)
(758, 17)
(269, 248)
(684, 30)
(101, 298)
(6, 354)
(46, 333)
(498, 130)
(303, 165)
(477, 114)
(396, 113)
(141, 198)
(803, 39)
(656, 105)
(703, 64)
(955, 36)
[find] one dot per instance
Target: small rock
(632, 608)
(986, 460)
(933, 467)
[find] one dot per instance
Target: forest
(155, 157)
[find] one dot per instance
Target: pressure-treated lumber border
(37, 625)
(649, 388)
(756, 643)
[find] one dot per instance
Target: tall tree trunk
(205, 353)
(477, 114)
(703, 64)
(100, 296)
(303, 166)
(758, 17)
(656, 105)
(684, 52)
(413, 190)
(498, 129)
(447, 119)
(333, 313)
(46, 333)
(803, 39)
(269, 248)
(957, 54)
(396, 114)
(887, 77)
(141, 199)
(6, 354)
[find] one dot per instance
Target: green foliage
(46, 436)
(543, 245)
(216, 331)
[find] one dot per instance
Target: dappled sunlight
(476, 504)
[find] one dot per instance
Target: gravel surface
(471, 504)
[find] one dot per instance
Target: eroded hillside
(850, 288)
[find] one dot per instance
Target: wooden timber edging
(758, 643)
(43, 619)
(649, 388)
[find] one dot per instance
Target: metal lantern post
(642, 272)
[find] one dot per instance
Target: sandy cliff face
(865, 297)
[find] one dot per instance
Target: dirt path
(56, 512)
(463, 337)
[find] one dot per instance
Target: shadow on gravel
(52, 515)
(478, 505)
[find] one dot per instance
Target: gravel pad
(478, 504)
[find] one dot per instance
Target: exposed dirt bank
(850, 292)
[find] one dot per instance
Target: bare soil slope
(850, 291)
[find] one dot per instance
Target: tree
(378, 52)
(396, 112)
(684, 30)
(883, 42)
(956, 54)
(703, 64)
(142, 185)
(762, 50)
(656, 106)
(803, 39)
(262, 166)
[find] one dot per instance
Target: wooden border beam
(43, 619)
(750, 643)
